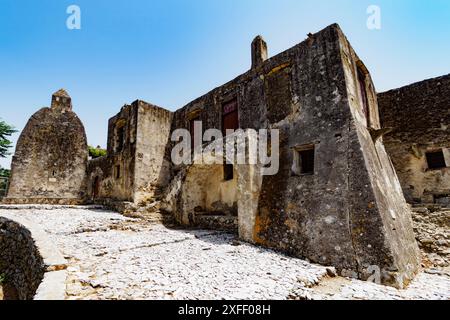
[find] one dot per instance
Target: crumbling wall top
(61, 101)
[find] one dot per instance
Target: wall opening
(304, 157)
(436, 160)
(364, 96)
(192, 131)
(117, 172)
(230, 116)
(228, 172)
(96, 187)
(120, 137)
(442, 199)
(207, 201)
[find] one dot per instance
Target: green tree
(4, 173)
(5, 144)
(96, 152)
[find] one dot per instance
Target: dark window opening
(117, 172)
(304, 161)
(228, 172)
(364, 96)
(443, 199)
(96, 187)
(230, 116)
(436, 160)
(307, 161)
(120, 137)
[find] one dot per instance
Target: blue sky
(169, 52)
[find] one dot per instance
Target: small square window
(304, 160)
(228, 172)
(436, 160)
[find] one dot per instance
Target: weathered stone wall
(307, 215)
(341, 214)
(432, 228)
(135, 167)
(20, 260)
(199, 196)
(49, 164)
(350, 212)
(152, 172)
(205, 193)
(116, 171)
(377, 207)
(30, 262)
(420, 117)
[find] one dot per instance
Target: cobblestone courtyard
(114, 257)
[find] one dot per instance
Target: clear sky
(169, 52)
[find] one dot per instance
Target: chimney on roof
(61, 101)
(259, 52)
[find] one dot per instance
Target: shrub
(96, 152)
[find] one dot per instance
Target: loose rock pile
(432, 228)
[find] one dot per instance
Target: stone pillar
(249, 187)
(259, 52)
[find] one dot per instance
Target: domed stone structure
(49, 164)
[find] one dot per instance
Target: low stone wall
(29, 261)
(43, 201)
(432, 228)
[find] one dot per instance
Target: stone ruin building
(136, 168)
(419, 144)
(336, 199)
(50, 161)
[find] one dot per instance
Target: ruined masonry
(419, 116)
(49, 165)
(336, 199)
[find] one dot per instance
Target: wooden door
(230, 116)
